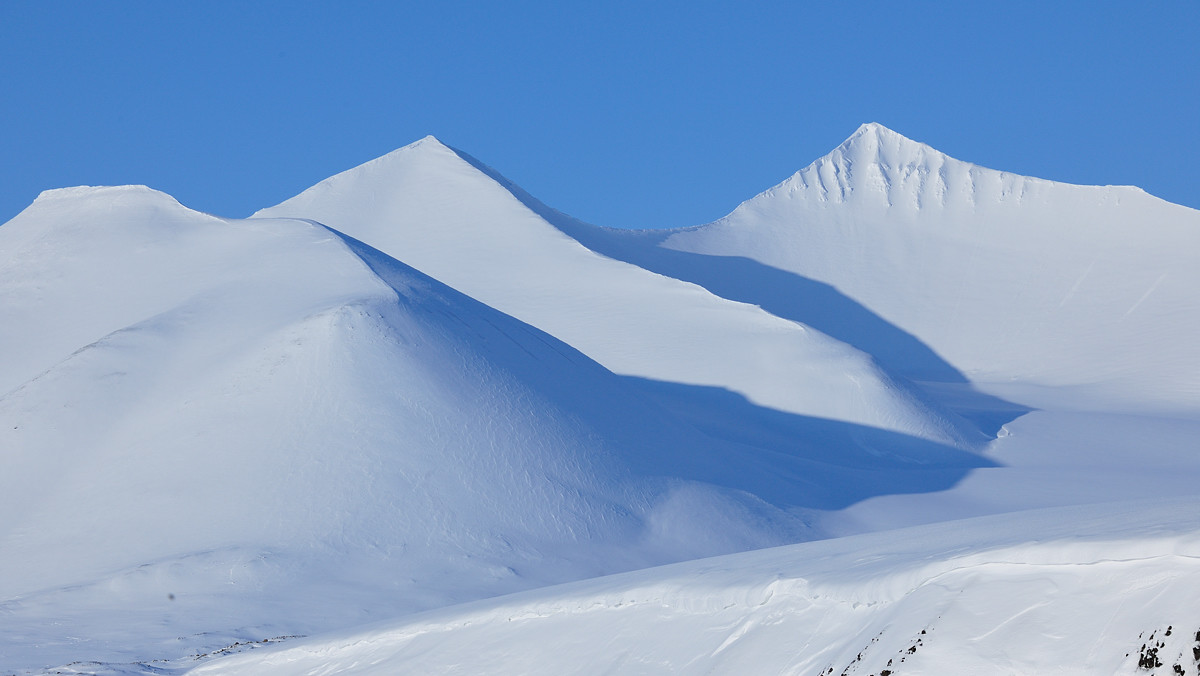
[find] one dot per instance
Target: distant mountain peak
(879, 165)
(880, 168)
(876, 143)
(428, 142)
(874, 130)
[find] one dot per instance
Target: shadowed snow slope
(448, 216)
(1006, 278)
(1077, 301)
(287, 430)
(221, 431)
(1079, 591)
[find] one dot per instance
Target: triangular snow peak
(427, 205)
(1005, 277)
(877, 166)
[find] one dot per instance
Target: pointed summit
(873, 142)
(947, 251)
(873, 132)
(879, 166)
(462, 223)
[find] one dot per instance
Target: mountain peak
(874, 138)
(79, 204)
(427, 140)
(428, 145)
(879, 167)
(426, 161)
(875, 144)
(873, 129)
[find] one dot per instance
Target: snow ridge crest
(878, 166)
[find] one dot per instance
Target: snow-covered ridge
(1006, 278)
(883, 168)
(428, 205)
(219, 433)
(273, 399)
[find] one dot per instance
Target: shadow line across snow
(813, 303)
(709, 434)
(787, 459)
(796, 461)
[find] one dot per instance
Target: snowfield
(1071, 591)
(935, 418)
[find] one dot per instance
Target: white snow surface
(243, 414)
(1068, 591)
(1008, 278)
(454, 219)
(1055, 316)
(221, 436)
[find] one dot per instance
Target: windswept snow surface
(454, 219)
(1010, 279)
(1070, 591)
(218, 433)
(215, 430)
(1059, 318)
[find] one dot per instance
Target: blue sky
(634, 114)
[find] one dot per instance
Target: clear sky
(636, 114)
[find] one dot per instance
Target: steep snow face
(1009, 279)
(447, 216)
(256, 414)
(1108, 590)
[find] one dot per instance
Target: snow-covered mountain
(217, 432)
(1056, 316)
(194, 402)
(449, 216)
(1007, 278)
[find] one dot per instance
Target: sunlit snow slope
(215, 432)
(1061, 318)
(215, 429)
(1007, 278)
(1073, 591)
(445, 214)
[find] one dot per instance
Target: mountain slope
(442, 213)
(216, 432)
(1005, 277)
(1075, 304)
(1108, 590)
(250, 415)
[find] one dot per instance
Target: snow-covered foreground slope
(450, 217)
(1069, 591)
(216, 429)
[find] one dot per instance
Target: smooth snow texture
(1007, 278)
(449, 217)
(217, 431)
(245, 413)
(1056, 317)
(1078, 591)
